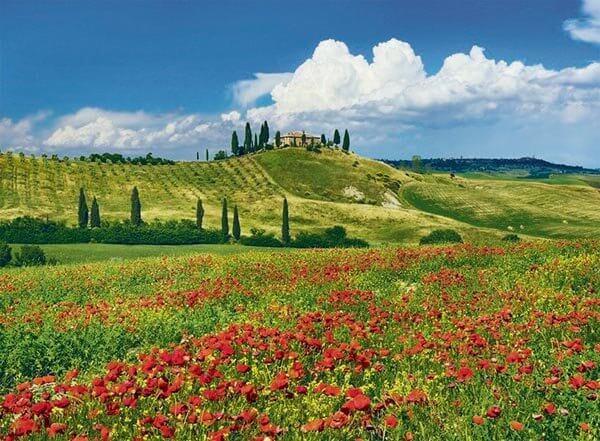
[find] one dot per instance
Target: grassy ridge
(373, 200)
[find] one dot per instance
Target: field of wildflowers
(452, 343)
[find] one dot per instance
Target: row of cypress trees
(92, 217)
(236, 230)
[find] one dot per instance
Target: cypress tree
(256, 145)
(248, 138)
(136, 208)
(197, 156)
(235, 144)
(285, 224)
(323, 140)
(224, 222)
(303, 138)
(261, 136)
(206, 155)
(199, 213)
(236, 230)
(278, 138)
(95, 214)
(336, 137)
(346, 144)
(266, 140)
(83, 210)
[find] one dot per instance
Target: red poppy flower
(494, 412)
(391, 421)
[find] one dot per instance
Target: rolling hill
(372, 199)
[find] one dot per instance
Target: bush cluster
(441, 236)
(39, 231)
(30, 255)
(259, 238)
(334, 237)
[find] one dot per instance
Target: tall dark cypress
(199, 213)
(95, 214)
(336, 137)
(346, 144)
(197, 156)
(256, 145)
(236, 230)
(235, 144)
(266, 136)
(285, 224)
(82, 215)
(278, 138)
(323, 140)
(248, 138)
(224, 222)
(136, 208)
(206, 155)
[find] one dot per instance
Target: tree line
(136, 231)
(260, 141)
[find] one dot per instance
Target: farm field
(434, 343)
(93, 252)
(372, 200)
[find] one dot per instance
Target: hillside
(373, 200)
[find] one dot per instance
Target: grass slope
(373, 200)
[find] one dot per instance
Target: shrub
(511, 237)
(259, 238)
(30, 230)
(334, 237)
(5, 254)
(441, 236)
(30, 255)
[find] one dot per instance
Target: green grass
(94, 252)
(372, 200)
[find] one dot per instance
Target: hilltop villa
(295, 139)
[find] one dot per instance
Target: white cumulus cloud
(246, 92)
(99, 129)
(587, 28)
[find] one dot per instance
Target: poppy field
(433, 343)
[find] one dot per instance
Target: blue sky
(173, 77)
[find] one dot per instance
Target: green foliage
(285, 223)
(5, 254)
(29, 230)
(323, 140)
(441, 236)
(199, 213)
(235, 144)
(95, 214)
(136, 208)
(247, 138)
(511, 237)
(156, 233)
(224, 222)
(30, 255)
(346, 143)
(334, 237)
(336, 137)
(236, 229)
(278, 138)
(221, 154)
(416, 164)
(117, 158)
(259, 238)
(82, 214)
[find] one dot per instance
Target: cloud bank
(586, 29)
(473, 105)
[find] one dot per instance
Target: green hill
(373, 200)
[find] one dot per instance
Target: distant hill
(373, 200)
(535, 167)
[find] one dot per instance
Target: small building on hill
(299, 139)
